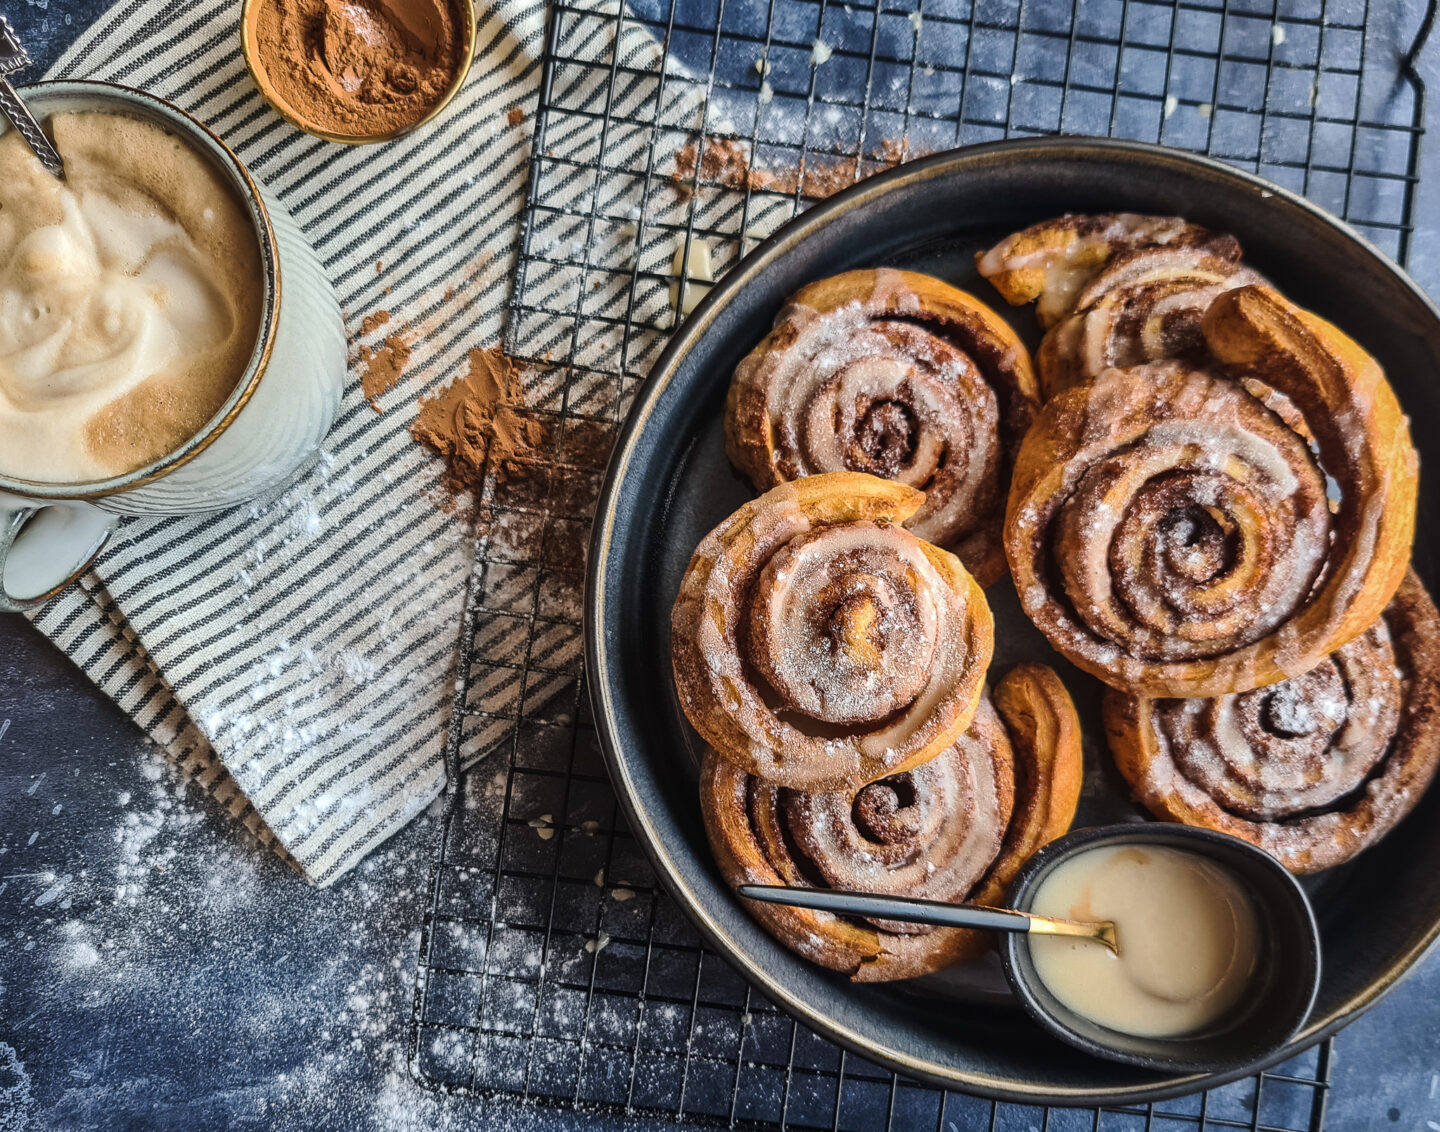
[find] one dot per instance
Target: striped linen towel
(295, 656)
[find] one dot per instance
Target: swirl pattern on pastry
(818, 644)
(1170, 534)
(1313, 769)
(959, 826)
(1146, 305)
(1051, 263)
(898, 375)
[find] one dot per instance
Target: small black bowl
(1285, 983)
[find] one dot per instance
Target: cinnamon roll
(898, 375)
(1051, 263)
(1146, 305)
(819, 645)
(1170, 533)
(1115, 289)
(1313, 769)
(957, 827)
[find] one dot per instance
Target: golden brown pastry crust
(1045, 731)
(1051, 262)
(1169, 534)
(1312, 770)
(899, 375)
(1115, 289)
(1019, 767)
(818, 644)
(1146, 305)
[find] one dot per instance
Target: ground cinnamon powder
(373, 322)
(475, 417)
(382, 367)
(358, 68)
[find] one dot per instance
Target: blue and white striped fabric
(296, 656)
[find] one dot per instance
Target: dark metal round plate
(669, 483)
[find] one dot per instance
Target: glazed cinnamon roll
(955, 828)
(898, 375)
(1313, 769)
(1170, 533)
(1051, 263)
(819, 645)
(1146, 305)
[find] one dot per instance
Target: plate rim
(597, 667)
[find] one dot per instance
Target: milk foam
(129, 299)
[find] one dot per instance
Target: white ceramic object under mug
(271, 424)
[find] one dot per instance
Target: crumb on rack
(729, 164)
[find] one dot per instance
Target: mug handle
(46, 546)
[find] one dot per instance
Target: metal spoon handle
(891, 907)
(914, 911)
(13, 57)
(19, 114)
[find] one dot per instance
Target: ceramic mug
(271, 424)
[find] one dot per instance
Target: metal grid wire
(552, 966)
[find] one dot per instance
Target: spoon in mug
(909, 910)
(13, 57)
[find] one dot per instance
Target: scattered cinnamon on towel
(477, 417)
(381, 367)
(373, 322)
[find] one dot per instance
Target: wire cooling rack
(671, 136)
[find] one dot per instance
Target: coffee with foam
(130, 299)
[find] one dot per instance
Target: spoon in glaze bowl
(13, 57)
(908, 910)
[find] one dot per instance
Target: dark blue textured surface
(157, 970)
(48, 26)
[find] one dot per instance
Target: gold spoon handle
(1101, 932)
